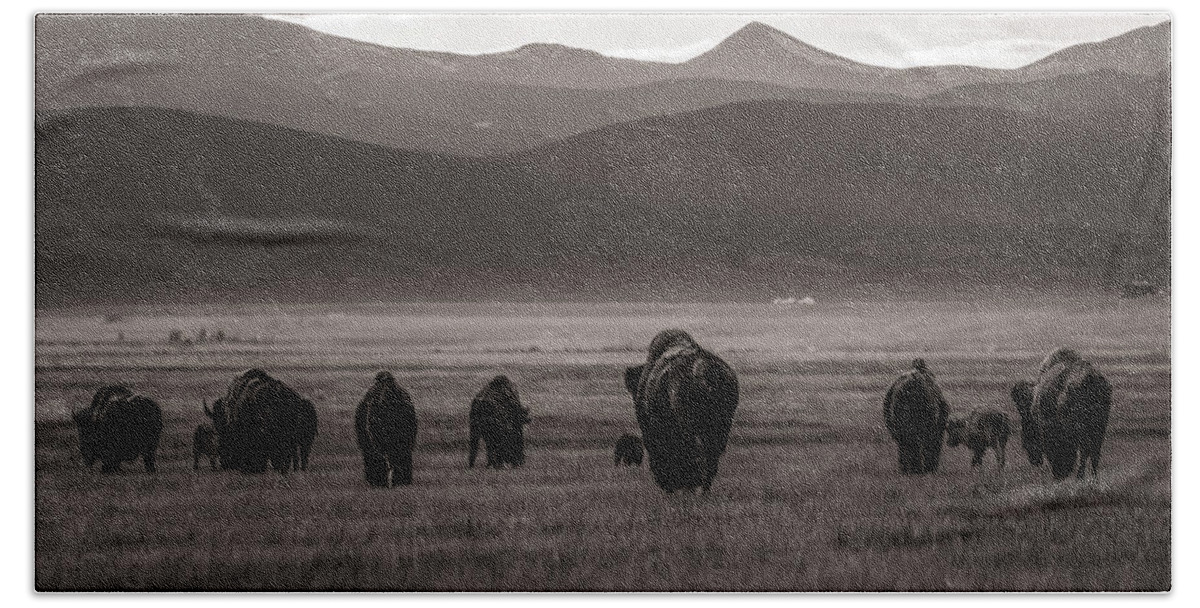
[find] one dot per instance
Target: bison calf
(204, 443)
(979, 430)
(629, 450)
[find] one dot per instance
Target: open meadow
(809, 495)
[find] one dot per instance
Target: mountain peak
(760, 43)
(1142, 50)
(757, 32)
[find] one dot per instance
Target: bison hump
(713, 375)
(108, 394)
(666, 340)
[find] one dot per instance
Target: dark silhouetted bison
(261, 422)
(684, 398)
(1064, 416)
(117, 427)
(204, 443)
(979, 430)
(498, 419)
(385, 424)
(628, 451)
(915, 414)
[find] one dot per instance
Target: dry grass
(808, 498)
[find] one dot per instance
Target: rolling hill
(143, 204)
(734, 202)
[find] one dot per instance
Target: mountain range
(277, 72)
(235, 158)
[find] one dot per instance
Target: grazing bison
(204, 443)
(979, 430)
(628, 451)
(684, 398)
(915, 414)
(117, 427)
(385, 424)
(1064, 416)
(261, 421)
(498, 419)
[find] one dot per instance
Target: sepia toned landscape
(222, 195)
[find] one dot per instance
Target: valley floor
(809, 496)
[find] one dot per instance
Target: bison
(684, 398)
(1065, 414)
(117, 427)
(204, 443)
(629, 450)
(498, 419)
(261, 422)
(385, 424)
(915, 413)
(979, 430)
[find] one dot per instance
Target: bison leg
(253, 462)
(495, 455)
(196, 460)
(909, 458)
(374, 470)
(474, 449)
(403, 470)
(712, 461)
(1089, 451)
(109, 466)
(921, 459)
(281, 459)
(932, 454)
(380, 473)
(518, 449)
(976, 458)
(148, 461)
(305, 450)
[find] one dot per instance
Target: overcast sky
(894, 40)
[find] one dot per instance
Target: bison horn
(207, 412)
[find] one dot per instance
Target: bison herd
(684, 398)
(1064, 415)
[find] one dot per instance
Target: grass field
(809, 496)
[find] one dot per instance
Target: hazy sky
(888, 39)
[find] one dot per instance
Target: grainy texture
(264, 198)
(808, 497)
